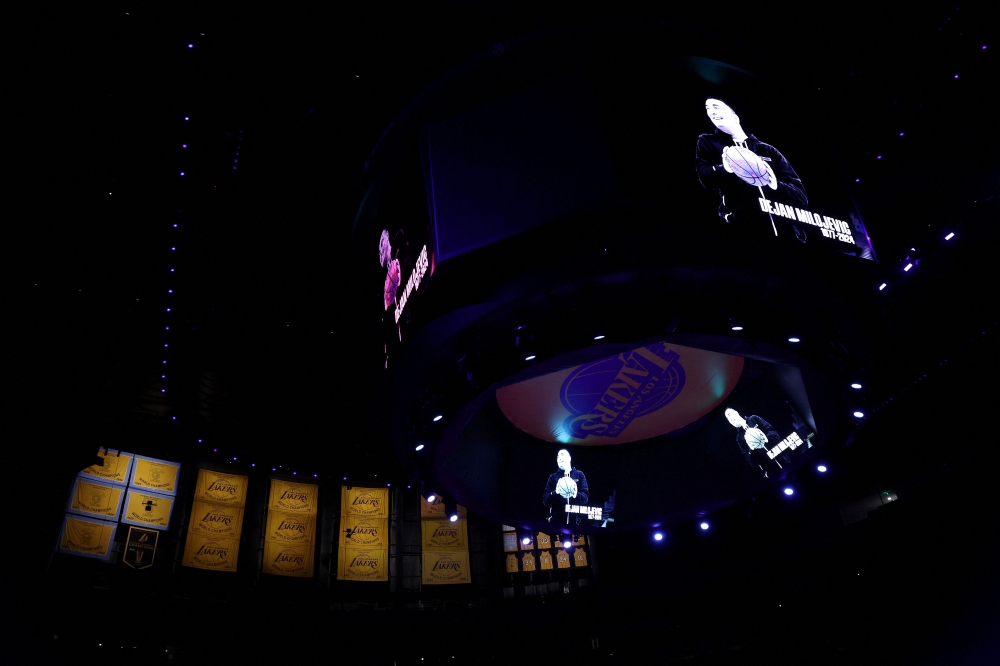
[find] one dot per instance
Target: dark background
(271, 354)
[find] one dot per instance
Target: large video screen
(718, 428)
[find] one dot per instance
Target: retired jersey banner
(140, 547)
(365, 502)
(294, 496)
(364, 532)
(290, 527)
(288, 559)
(444, 535)
(157, 475)
(220, 488)
(88, 537)
(435, 509)
(446, 568)
(210, 552)
(115, 468)
(96, 499)
(148, 509)
(215, 520)
(371, 564)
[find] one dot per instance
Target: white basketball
(566, 487)
(750, 168)
(755, 438)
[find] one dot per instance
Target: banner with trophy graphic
(115, 467)
(95, 499)
(146, 509)
(160, 476)
(88, 537)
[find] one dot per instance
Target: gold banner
(220, 488)
(364, 532)
(444, 535)
(140, 547)
(289, 527)
(288, 559)
(435, 509)
(157, 475)
(292, 496)
(96, 499)
(212, 520)
(114, 470)
(148, 510)
(210, 552)
(370, 564)
(449, 568)
(365, 502)
(91, 538)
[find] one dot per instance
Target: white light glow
(859, 415)
(438, 418)
(855, 385)
(949, 236)
(420, 447)
(794, 340)
(821, 468)
(789, 491)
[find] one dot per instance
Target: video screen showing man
(755, 437)
(742, 169)
(564, 487)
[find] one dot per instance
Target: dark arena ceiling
(197, 196)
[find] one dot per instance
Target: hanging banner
(365, 502)
(140, 547)
(444, 535)
(91, 498)
(88, 537)
(288, 559)
(210, 552)
(446, 568)
(371, 564)
(148, 510)
(364, 532)
(115, 468)
(157, 475)
(215, 520)
(294, 496)
(290, 527)
(435, 509)
(220, 488)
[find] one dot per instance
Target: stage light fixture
(438, 418)
(737, 328)
(526, 540)
(950, 236)
(859, 415)
(420, 447)
(529, 358)
(658, 536)
(789, 492)
(855, 385)
(453, 517)
(821, 469)
(704, 526)
(431, 498)
(907, 267)
(598, 337)
(794, 340)
(567, 544)
(881, 286)
(451, 510)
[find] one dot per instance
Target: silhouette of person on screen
(567, 486)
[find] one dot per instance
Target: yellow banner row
(289, 542)
(371, 564)
(444, 535)
(363, 554)
(216, 523)
(445, 559)
(364, 502)
(445, 568)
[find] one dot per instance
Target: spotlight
(737, 328)
(431, 498)
(821, 468)
(567, 544)
(881, 286)
(789, 491)
(658, 536)
(949, 236)
(526, 540)
(453, 517)
(529, 358)
(859, 415)
(794, 340)
(907, 267)
(598, 337)
(420, 447)
(704, 526)
(451, 510)
(855, 385)
(438, 418)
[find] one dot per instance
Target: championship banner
(148, 510)
(140, 547)
(444, 535)
(435, 509)
(371, 564)
(289, 527)
(87, 537)
(364, 502)
(288, 559)
(364, 532)
(115, 469)
(157, 475)
(294, 496)
(99, 500)
(215, 520)
(445, 568)
(210, 553)
(220, 488)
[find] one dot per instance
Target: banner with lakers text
(148, 509)
(444, 535)
(359, 532)
(365, 502)
(95, 499)
(288, 559)
(114, 469)
(216, 520)
(435, 509)
(364, 564)
(220, 488)
(294, 496)
(160, 476)
(210, 552)
(445, 568)
(289, 527)
(87, 537)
